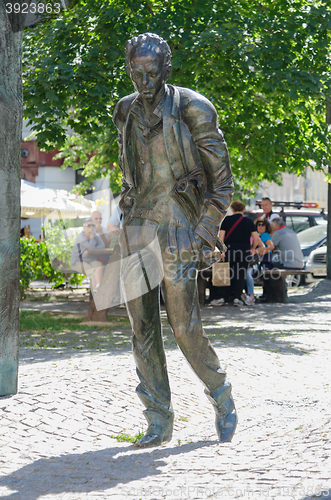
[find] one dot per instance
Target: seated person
(264, 229)
(99, 229)
(287, 243)
(81, 261)
(115, 223)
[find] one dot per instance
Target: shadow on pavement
(228, 337)
(278, 342)
(269, 327)
(91, 471)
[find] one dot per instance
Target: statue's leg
(182, 304)
(148, 351)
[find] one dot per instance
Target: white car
(316, 263)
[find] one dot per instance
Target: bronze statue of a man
(177, 182)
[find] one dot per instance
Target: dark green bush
(36, 265)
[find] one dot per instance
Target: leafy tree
(265, 64)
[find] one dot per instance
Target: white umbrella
(38, 201)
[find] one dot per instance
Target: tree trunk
(94, 315)
(11, 106)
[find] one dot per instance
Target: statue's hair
(157, 42)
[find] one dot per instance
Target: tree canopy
(265, 65)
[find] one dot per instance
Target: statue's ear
(168, 72)
(128, 70)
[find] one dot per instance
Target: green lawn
(44, 330)
(40, 321)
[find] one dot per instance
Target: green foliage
(59, 244)
(35, 264)
(264, 64)
(77, 151)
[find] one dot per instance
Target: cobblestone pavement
(58, 434)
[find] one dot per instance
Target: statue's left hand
(198, 240)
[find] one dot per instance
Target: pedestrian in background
(236, 232)
(266, 206)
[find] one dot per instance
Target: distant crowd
(251, 246)
(265, 243)
(87, 255)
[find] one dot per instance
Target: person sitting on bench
(81, 261)
(287, 243)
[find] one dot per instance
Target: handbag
(221, 274)
(254, 259)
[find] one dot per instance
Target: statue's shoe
(155, 435)
(226, 415)
(226, 425)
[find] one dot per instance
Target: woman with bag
(236, 232)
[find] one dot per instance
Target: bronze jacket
(197, 153)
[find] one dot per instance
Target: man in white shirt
(99, 229)
(266, 206)
(115, 221)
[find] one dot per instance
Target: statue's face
(147, 72)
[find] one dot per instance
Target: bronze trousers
(174, 264)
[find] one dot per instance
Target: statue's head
(148, 63)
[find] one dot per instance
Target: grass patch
(35, 321)
(40, 321)
(44, 330)
(126, 437)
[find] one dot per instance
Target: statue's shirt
(153, 174)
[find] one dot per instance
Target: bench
(67, 272)
(275, 286)
(92, 314)
(274, 280)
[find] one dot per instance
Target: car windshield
(312, 235)
(320, 220)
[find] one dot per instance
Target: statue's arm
(119, 119)
(201, 119)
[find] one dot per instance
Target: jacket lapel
(172, 132)
(172, 137)
(129, 169)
